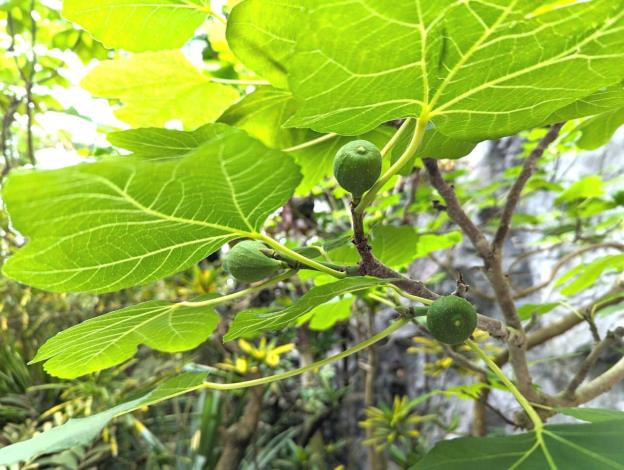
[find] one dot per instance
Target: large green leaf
(158, 87)
(154, 142)
(593, 415)
(81, 431)
(577, 446)
(251, 322)
(481, 69)
(262, 114)
(104, 226)
(110, 339)
(138, 25)
(602, 101)
(262, 34)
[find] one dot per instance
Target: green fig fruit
(451, 319)
(357, 166)
(247, 263)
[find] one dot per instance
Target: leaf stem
(382, 300)
(310, 143)
(310, 367)
(524, 403)
(238, 294)
(395, 138)
(417, 137)
(402, 293)
(298, 256)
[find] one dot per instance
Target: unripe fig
(618, 197)
(247, 263)
(451, 319)
(357, 166)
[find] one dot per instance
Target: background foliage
(206, 141)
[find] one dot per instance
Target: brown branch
(496, 276)
(565, 323)
(238, 436)
(610, 339)
(601, 384)
(7, 120)
(528, 254)
(455, 210)
(371, 266)
(495, 328)
(463, 361)
(516, 190)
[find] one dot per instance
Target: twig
(516, 190)
(7, 119)
(611, 338)
(371, 266)
(310, 143)
(601, 384)
(566, 323)
(28, 82)
(495, 328)
(496, 276)
(562, 262)
(463, 361)
(455, 210)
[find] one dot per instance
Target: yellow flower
(273, 355)
(267, 353)
(241, 366)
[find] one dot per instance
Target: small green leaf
(398, 246)
(138, 25)
(327, 315)
(589, 186)
(158, 87)
(586, 275)
(598, 130)
(100, 227)
(112, 338)
(81, 431)
(526, 311)
(262, 114)
(75, 432)
(429, 242)
(394, 246)
(592, 415)
(251, 322)
(576, 446)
